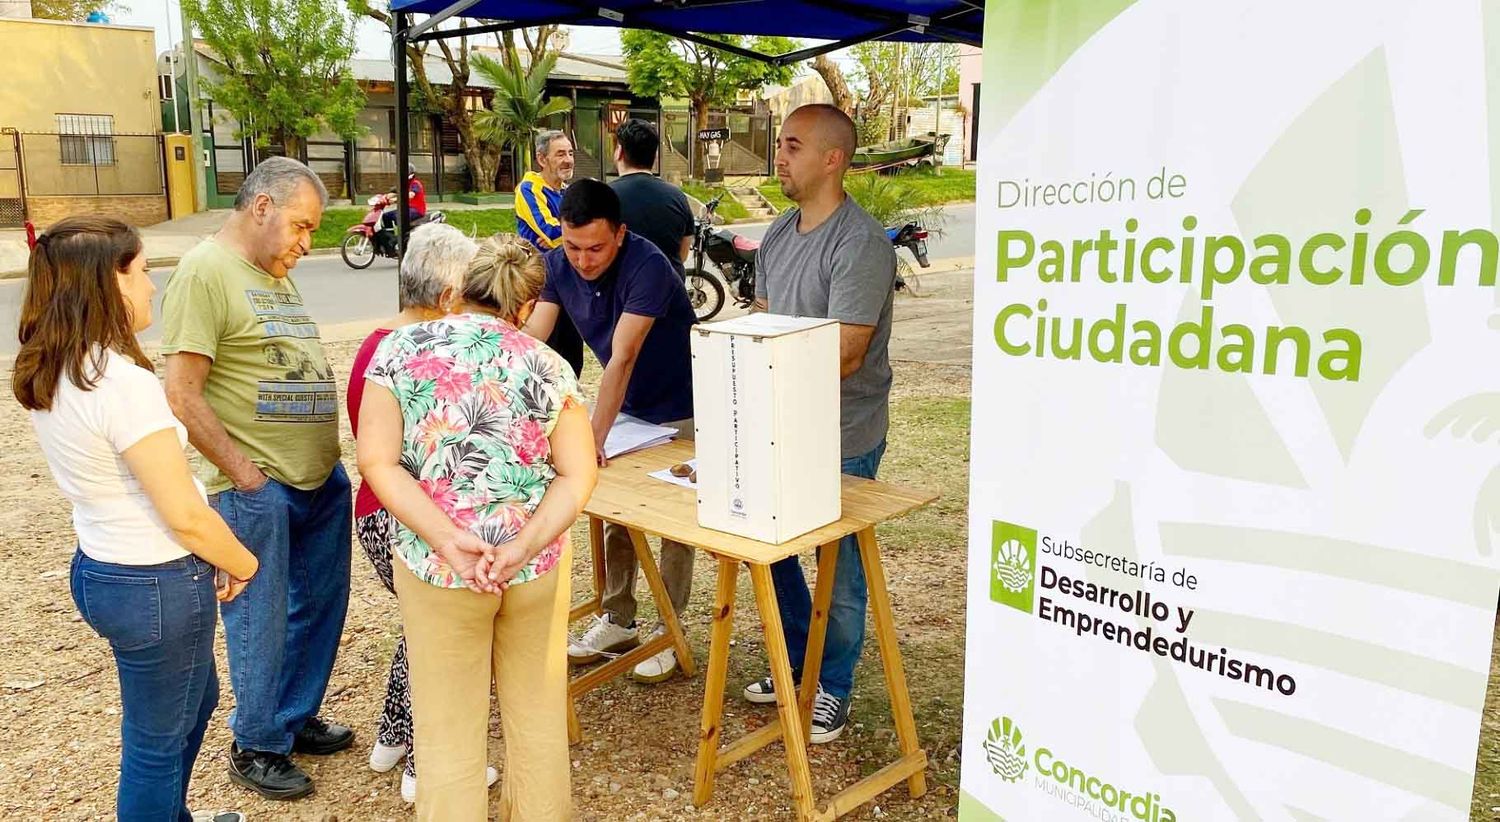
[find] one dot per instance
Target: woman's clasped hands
(483, 568)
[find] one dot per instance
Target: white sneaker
(385, 757)
(604, 637)
(409, 783)
(659, 668)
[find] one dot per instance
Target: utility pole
(172, 71)
(195, 114)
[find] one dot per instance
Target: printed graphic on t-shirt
(306, 391)
(281, 314)
(288, 401)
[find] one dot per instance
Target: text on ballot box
(766, 409)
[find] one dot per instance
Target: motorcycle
(733, 258)
(369, 239)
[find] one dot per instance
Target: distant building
(596, 84)
(79, 122)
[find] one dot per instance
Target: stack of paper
(631, 434)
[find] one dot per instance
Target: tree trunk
(700, 121)
(481, 172)
(834, 77)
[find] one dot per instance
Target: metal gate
(12, 189)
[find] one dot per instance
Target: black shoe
(271, 775)
(320, 738)
(829, 717)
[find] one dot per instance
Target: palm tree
(518, 108)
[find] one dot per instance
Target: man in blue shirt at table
(631, 309)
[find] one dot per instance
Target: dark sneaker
(829, 716)
(320, 738)
(271, 775)
(763, 691)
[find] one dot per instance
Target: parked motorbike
(733, 262)
(369, 239)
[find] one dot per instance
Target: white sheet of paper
(631, 434)
(666, 474)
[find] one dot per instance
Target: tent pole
(403, 138)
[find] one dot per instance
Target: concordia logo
(1013, 565)
(1005, 750)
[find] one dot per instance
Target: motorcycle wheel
(358, 251)
(705, 293)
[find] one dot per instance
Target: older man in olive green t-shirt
(247, 376)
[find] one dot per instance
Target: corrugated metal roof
(574, 67)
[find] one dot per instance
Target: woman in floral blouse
(476, 439)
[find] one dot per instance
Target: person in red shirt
(416, 201)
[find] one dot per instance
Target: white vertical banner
(1235, 487)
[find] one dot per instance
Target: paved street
(338, 294)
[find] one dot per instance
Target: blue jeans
(846, 615)
(159, 620)
(283, 630)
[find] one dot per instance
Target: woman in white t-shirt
(144, 574)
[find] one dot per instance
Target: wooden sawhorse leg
(664, 607)
(594, 604)
(675, 638)
(913, 758)
(817, 634)
(793, 736)
(710, 730)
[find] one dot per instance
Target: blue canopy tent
(841, 22)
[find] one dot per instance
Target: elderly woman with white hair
(432, 270)
(476, 439)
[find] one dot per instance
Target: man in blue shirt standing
(631, 309)
(538, 198)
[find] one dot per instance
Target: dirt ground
(59, 701)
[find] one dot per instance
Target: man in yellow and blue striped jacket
(538, 200)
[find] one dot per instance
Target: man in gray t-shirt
(843, 269)
(828, 258)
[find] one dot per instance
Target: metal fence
(57, 164)
(79, 163)
(367, 165)
(12, 201)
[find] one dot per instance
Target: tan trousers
(456, 641)
(621, 565)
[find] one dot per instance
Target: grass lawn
(480, 222)
(926, 187)
(729, 208)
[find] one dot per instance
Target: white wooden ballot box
(766, 409)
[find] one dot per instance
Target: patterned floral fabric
(479, 400)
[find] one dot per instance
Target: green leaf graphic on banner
(1203, 414)
(1027, 41)
(1379, 763)
(1340, 155)
(1168, 730)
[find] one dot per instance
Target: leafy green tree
(898, 75)
(286, 66)
(454, 100)
(73, 9)
(659, 65)
(520, 103)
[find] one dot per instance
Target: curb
(167, 262)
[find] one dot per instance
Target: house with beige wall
(81, 118)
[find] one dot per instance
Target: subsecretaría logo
(1005, 750)
(1013, 565)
